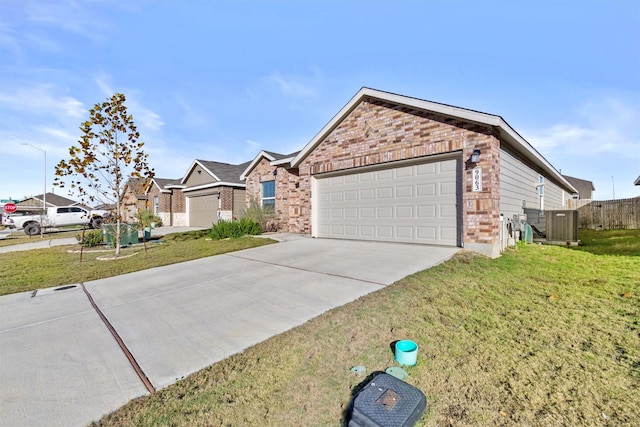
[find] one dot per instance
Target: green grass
(18, 237)
(40, 268)
(613, 242)
(541, 336)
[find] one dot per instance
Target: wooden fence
(610, 214)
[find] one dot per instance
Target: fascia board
(255, 161)
(193, 165)
(282, 162)
(213, 185)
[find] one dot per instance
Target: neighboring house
(213, 191)
(167, 200)
(393, 168)
(35, 203)
(585, 191)
(134, 199)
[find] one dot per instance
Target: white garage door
(412, 204)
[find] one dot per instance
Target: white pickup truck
(59, 216)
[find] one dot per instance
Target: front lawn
(543, 335)
(41, 268)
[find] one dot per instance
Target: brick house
(166, 199)
(394, 168)
(213, 191)
(134, 199)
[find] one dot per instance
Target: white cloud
(192, 118)
(80, 18)
(293, 86)
(606, 125)
(42, 99)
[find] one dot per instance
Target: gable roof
(502, 128)
(221, 173)
(53, 200)
(137, 186)
(164, 184)
(583, 186)
(274, 159)
(637, 181)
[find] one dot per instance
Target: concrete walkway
(60, 365)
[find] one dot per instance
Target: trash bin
(132, 233)
(109, 232)
(147, 233)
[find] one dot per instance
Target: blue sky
(222, 80)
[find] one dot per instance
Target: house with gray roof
(167, 200)
(213, 191)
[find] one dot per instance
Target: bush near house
(266, 217)
(147, 217)
(234, 229)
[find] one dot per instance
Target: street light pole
(44, 193)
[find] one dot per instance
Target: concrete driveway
(61, 366)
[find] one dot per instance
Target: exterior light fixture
(275, 172)
(475, 156)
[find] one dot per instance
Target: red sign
(10, 207)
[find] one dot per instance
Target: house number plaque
(476, 184)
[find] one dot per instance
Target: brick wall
(377, 132)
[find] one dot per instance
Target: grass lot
(41, 268)
(541, 336)
(18, 237)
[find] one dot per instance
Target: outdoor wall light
(475, 156)
(275, 172)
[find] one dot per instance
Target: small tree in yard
(108, 154)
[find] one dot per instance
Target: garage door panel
(404, 212)
(385, 193)
(367, 194)
(415, 204)
(425, 190)
(404, 191)
(404, 232)
(426, 211)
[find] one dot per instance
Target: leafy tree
(108, 154)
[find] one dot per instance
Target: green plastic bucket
(406, 352)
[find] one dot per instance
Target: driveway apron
(59, 364)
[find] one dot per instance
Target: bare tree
(108, 154)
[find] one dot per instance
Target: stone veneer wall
(377, 132)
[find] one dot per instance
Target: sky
(222, 80)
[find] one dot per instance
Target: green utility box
(128, 234)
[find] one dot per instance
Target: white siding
(518, 184)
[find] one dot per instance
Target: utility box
(387, 401)
(562, 225)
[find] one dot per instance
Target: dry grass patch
(495, 349)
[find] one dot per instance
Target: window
(269, 195)
(156, 205)
(541, 191)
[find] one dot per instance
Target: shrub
(233, 229)
(146, 218)
(249, 226)
(91, 239)
(265, 217)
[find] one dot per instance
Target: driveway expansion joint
(307, 270)
(134, 363)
